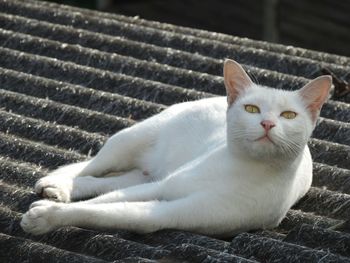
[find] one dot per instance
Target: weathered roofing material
(72, 77)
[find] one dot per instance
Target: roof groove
(111, 61)
(265, 77)
(109, 44)
(16, 198)
(122, 46)
(24, 249)
(334, 131)
(20, 173)
(318, 238)
(96, 78)
(44, 62)
(330, 153)
(279, 48)
(326, 202)
(251, 245)
(90, 242)
(76, 95)
(35, 152)
(331, 177)
(246, 55)
(51, 134)
(60, 113)
(295, 218)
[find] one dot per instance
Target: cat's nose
(267, 125)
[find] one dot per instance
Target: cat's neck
(274, 163)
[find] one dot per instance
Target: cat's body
(201, 166)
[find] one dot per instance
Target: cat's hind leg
(89, 186)
(142, 192)
(120, 153)
(69, 189)
(58, 184)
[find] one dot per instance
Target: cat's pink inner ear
(315, 94)
(236, 80)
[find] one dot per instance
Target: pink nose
(268, 125)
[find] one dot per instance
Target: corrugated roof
(72, 77)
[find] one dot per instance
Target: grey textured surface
(72, 77)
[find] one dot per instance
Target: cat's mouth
(264, 138)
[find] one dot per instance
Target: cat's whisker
(289, 148)
(255, 79)
(288, 145)
(293, 145)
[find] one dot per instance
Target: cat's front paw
(41, 217)
(56, 188)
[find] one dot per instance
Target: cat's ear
(315, 93)
(236, 80)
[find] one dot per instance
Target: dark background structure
(70, 78)
(316, 24)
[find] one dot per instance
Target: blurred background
(315, 24)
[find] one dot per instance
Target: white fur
(194, 166)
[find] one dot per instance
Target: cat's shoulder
(203, 109)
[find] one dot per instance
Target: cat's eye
(288, 114)
(251, 108)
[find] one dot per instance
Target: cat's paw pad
(40, 218)
(57, 189)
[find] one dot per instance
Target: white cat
(200, 166)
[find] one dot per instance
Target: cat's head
(267, 123)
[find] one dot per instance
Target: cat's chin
(261, 142)
(262, 149)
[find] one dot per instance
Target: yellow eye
(251, 108)
(288, 114)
